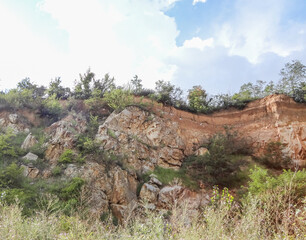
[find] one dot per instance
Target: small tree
(102, 86)
(118, 99)
(168, 94)
(197, 99)
(82, 88)
(56, 89)
(136, 85)
(293, 75)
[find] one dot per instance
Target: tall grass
(223, 219)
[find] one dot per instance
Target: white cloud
(198, 1)
(121, 37)
(257, 28)
(198, 43)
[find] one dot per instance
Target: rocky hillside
(142, 139)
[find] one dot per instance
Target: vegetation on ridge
(270, 205)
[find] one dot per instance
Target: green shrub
(87, 145)
(6, 147)
(11, 177)
(274, 157)
(51, 108)
(72, 188)
(68, 156)
(166, 176)
(216, 166)
(261, 181)
(56, 171)
(118, 99)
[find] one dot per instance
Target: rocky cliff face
(145, 139)
(163, 137)
(166, 137)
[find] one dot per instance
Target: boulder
(29, 141)
(201, 151)
(149, 193)
(30, 172)
(30, 157)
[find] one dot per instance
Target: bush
(6, 148)
(274, 157)
(11, 177)
(68, 156)
(51, 108)
(118, 99)
(216, 166)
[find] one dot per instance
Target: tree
(102, 86)
(197, 99)
(168, 94)
(118, 98)
(56, 89)
(136, 85)
(82, 88)
(25, 84)
(293, 76)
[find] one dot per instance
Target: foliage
(136, 85)
(6, 148)
(11, 177)
(51, 108)
(56, 171)
(274, 157)
(197, 99)
(97, 106)
(261, 181)
(82, 88)
(57, 90)
(68, 156)
(292, 76)
(166, 176)
(87, 145)
(168, 94)
(216, 166)
(118, 99)
(100, 87)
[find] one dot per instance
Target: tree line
(292, 82)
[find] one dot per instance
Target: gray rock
(29, 142)
(30, 156)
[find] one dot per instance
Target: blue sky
(219, 44)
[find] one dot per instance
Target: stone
(168, 195)
(144, 138)
(30, 172)
(30, 156)
(149, 193)
(154, 180)
(29, 142)
(63, 135)
(13, 118)
(201, 151)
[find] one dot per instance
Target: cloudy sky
(219, 44)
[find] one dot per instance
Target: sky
(218, 44)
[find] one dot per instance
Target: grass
(111, 133)
(219, 221)
(166, 176)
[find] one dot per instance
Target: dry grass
(222, 220)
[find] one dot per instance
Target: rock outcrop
(13, 122)
(271, 119)
(63, 135)
(111, 189)
(145, 139)
(29, 141)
